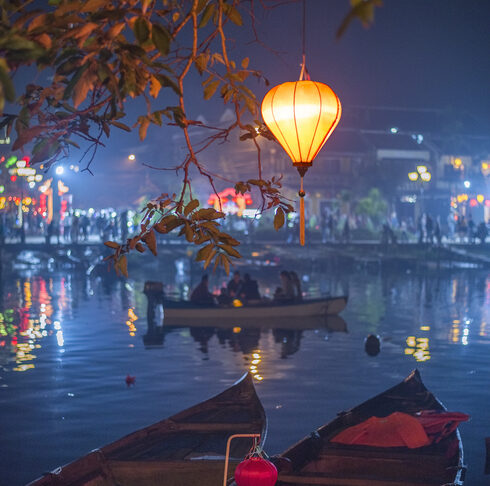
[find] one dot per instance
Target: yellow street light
(426, 176)
(413, 176)
(421, 169)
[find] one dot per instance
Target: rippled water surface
(68, 342)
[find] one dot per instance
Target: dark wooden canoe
(185, 449)
(317, 461)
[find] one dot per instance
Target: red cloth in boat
(402, 430)
(439, 424)
(396, 430)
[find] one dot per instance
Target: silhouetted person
(285, 293)
(53, 230)
(201, 294)
(331, 227)
(223, 298)
(471, 230)
(429, 228)
(346, 231)
(420, 230)
(482, 232)
(75, 228)
(235, 285)
(437, 232)
(250, 289)
(298, 294)
(84, 225)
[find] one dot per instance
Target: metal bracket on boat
(227, 456)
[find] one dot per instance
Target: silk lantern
(301, 115)
(255, 471)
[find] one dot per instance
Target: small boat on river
(324, 459)
(175, 451)
(264, 310)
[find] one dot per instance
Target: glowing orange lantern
(256, 471)
(301, 115)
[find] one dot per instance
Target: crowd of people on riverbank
(245, 291)
(78, 226)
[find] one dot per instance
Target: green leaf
(141, 30)
(74, 80)
(166, 81)
(161, 38)
(120, 125)
(208, 12)
(210, 89)
(191, 206)
(203, 253)
(233, 14)
(92, 5)
(209, 258)
(112, 244)
(279, 219)
(71, 142)
(8, 86)
(231, 251)
(189, 233)
(226, 263)
(122, 265)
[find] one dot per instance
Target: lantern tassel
(301, 214)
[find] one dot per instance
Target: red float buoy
(256, 471)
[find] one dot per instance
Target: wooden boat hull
(176, 313)
(317, 461)
(175, 451)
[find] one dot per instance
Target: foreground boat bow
(317, 460)
(185, 449)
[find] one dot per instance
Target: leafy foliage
(197, 225)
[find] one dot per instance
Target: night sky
(417, 54)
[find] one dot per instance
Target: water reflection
(283, 335)
(29, 316)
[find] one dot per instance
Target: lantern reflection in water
(418, 348)
(132, 318)
(254, 365)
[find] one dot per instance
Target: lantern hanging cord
(304, 72)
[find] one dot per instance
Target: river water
(67, 343)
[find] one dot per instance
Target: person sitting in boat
(285, 293)
(250, 290)
(223, 298)
(201, 294)
(235, 285)
(298, 294)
